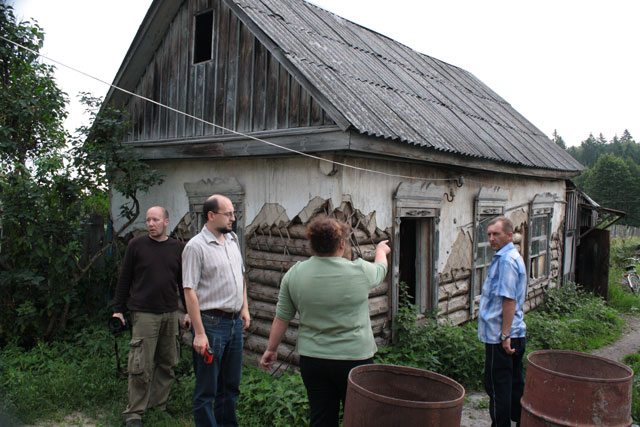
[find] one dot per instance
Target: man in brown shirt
(150, 280)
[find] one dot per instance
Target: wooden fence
(622, 231)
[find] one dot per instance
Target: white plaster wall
(458, 215)
(293, 182)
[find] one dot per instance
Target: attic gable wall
(243, 88)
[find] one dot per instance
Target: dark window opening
(203, 37)
(415, 261)
(408, 256)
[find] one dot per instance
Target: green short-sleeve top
(331, 295)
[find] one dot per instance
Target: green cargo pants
(153, 353)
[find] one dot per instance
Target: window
(539, 236)
(539, 248)
(198, 192)
(489, 203)
(483, 254)
(203, 37)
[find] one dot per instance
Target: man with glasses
(216, 297)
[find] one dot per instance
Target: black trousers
(504, 382)
(326, 384)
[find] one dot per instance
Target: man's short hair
(210, 205)
(507, 225)
(165, 212)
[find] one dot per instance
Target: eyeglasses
(227, 214)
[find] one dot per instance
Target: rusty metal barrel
(568, 388)
(388, 395)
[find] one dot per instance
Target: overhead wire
(244, 135)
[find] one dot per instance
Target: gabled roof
(383, 88)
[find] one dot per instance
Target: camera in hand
(116, 326)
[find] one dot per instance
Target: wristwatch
(503, 337)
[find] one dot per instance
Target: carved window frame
(418, 200)
(540, 213)
(199, 192)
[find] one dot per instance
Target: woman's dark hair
(325, 235)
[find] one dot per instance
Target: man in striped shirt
(501, 326)
(216, 297)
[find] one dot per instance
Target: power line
(291, 150)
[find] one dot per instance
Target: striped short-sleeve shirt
(507, 278)
(214, 270)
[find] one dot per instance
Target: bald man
(150, 284)
(216, 297)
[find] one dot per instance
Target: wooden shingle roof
(386, 89)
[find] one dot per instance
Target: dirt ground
(475, 412)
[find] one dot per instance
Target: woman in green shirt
(331, 295)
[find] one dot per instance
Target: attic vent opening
(203, 37)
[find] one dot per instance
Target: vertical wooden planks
(294, 103)
(231, 87)
(243, 87)
(245, 78)
(221, 66)
(271, 98)
(283, 98)
(259, 86)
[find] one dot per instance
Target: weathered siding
(243, 88)
(285, 187)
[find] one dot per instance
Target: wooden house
(292, 111)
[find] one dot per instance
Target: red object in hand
(208, 356)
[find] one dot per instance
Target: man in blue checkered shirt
(500, 324)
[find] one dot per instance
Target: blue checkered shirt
(507, 278)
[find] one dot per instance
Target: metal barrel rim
(405, 370)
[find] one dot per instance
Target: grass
(624, 301)
(54, 380)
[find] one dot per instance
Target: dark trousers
(504, 382)
(326, 384)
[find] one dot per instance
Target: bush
(453, 351)
(280, 400)
(52, 380)
(633, 361)
(571, 319)
(620, 296)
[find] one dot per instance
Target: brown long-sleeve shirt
(151, 276)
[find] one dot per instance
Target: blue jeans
(218, 382)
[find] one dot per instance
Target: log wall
(270, 252)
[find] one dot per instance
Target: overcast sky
(570, 65)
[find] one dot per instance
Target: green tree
(611, 183)
(49, 185)
(558, 140)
